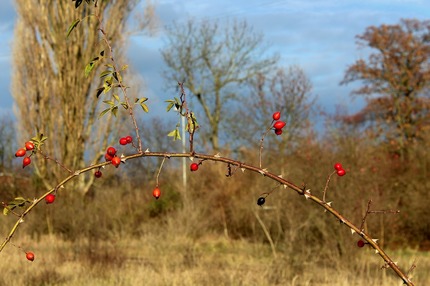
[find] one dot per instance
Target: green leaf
(192, 123)
(124, 105)
(109, 80)
(73, 26)
(116, 97)
(107, 87)
(110, 102)
(104, 112)
(78, 2)
(115, 110)
(6, 210)
(99, 91)
(175, 134)
(105, 73)
(170, 105)
(115, 75)
(20, 201)
(89, 68)
(124, 67)
(144, 107)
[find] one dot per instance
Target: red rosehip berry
(98, 174)
(26, 161)
(49, 199)
(279, 124)
(194, 167)
(116, 161)
(123, 141)
(360, 243)
(156, 193)
(29, 255)
(111, 151)
(129, 139)
(338, 166)
(29, 145)
(276, 115)
(341, 172)
(261, 201)
(278, 131)
(108, 157)
(21, 152)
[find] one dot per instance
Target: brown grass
(163, 258)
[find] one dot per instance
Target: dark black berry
(261, 201)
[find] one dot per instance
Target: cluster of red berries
(278, 125)
(126, 140)
(111, 156)
(339, 170)
(29, 146)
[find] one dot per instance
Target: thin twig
(365, 215)
(55, 160)
(159, 171)
(262, 141)
(326, 185)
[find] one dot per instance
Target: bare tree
(284, 90)
(52, 94)
(398, 73)
(213, 62)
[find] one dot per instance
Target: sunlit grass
(161, 258)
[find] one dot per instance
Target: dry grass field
(166, 257)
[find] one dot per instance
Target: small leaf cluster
(17, 202)
(192, 124)
(79, 2)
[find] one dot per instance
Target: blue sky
(317, 35)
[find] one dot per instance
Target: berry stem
(365, 215)
(159, 171)
(262, 140)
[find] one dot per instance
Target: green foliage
(39, 141)
(79, 2)
(141, 102)
(17, 202)
(90, 66)
(73, 26)
(175, 133)
(176, 103)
